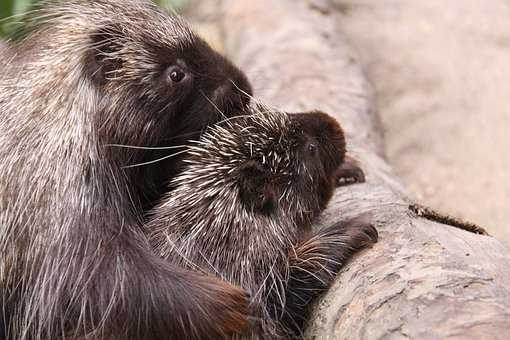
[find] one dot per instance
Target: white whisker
(145, 147)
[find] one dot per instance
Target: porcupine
(3, 49)
(5, 54)
(243, 206)
(91, 76)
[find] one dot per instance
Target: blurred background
(9, 8)
(442, 81)
(441, 71)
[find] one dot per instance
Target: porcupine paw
(326, 252)
(361, 235)
(316, 262)
(349, 173)
(351, 236)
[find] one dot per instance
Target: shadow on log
(423, 280)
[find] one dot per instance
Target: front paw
(360, 233)
(350, 236)
(331, 247)
(349, 173)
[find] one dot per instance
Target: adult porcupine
(243, 208)
(3, 48)
(4, 56)
(74, 262)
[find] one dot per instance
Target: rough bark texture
(423, 280)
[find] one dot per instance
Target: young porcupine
(74, 262)
(243, 206)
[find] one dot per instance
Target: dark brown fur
(243, 209)
(91, 88)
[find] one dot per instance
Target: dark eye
(176, 74)
(312, 148)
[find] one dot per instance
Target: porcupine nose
(233, 96)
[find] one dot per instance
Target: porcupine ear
(255, 189)
(103, 60)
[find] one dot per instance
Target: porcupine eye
(177, 81)
(312, 148)
(178, 76)
(175, 74)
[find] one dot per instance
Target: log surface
(422, 280)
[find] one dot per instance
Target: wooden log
(423, 280)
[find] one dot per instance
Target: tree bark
(422, 280)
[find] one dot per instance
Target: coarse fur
(94, 87)
(5, 54)
(3, 51)
(243, 209)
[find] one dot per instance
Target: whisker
(145, 147)
(154, 161)
(233, 118)
(213, 104)
(255, 102)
